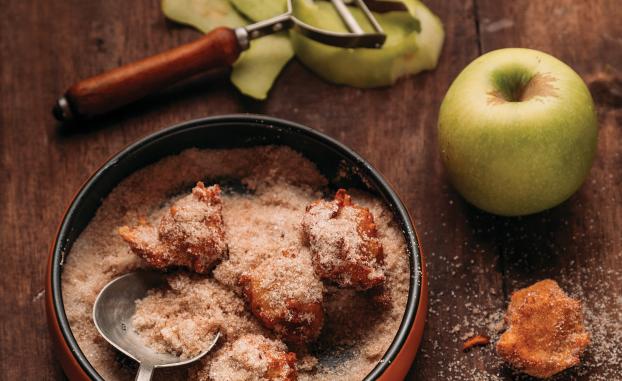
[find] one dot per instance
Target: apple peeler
(219, 48)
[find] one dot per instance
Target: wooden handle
(123, 85)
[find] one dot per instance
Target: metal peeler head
(356, 37)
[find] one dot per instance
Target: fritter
(253, 357)
(344, 242)
(190, 235)
(546, 333)
(286, 296)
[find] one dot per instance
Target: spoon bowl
(112, 314)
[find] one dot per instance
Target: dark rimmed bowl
(227, 132)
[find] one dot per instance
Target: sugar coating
(191, 234)
(258, 224)
(343, 239)
(251, 357)
(286, 295)
(546, 334)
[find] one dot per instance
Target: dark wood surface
(475, 260)
(97, 95)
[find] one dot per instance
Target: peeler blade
(356, 37)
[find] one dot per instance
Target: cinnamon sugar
(293, 270)
(259, 224)
(185, 318)
(342, 237)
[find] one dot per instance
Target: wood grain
(107, 91)
(475, 260)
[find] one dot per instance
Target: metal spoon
(112, 313)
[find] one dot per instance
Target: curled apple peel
(414, 42)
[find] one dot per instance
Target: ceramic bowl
(230, 131)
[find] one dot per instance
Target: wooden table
(475, 260)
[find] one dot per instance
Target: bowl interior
(341, 166)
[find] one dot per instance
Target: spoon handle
(144, 372)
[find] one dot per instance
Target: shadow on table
(529, 247)
(184, 91)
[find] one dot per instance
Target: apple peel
(258, 67)
(255, 72)
(414, 42)
(204, 15)
(260, 10)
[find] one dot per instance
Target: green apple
(517, 132)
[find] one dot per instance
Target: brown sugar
(184, 318)
(343, 239)
(546, 334)
(260, 223)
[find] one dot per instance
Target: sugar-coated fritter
(190, 235)
(546, 333)
(344, 241)
(286, 296)
(253, 357)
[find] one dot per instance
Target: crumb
(476, 340)
(380, 296)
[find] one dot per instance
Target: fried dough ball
(253, 357)
(190, 235)
(344, 242)
(546, 333)
(286, 296)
